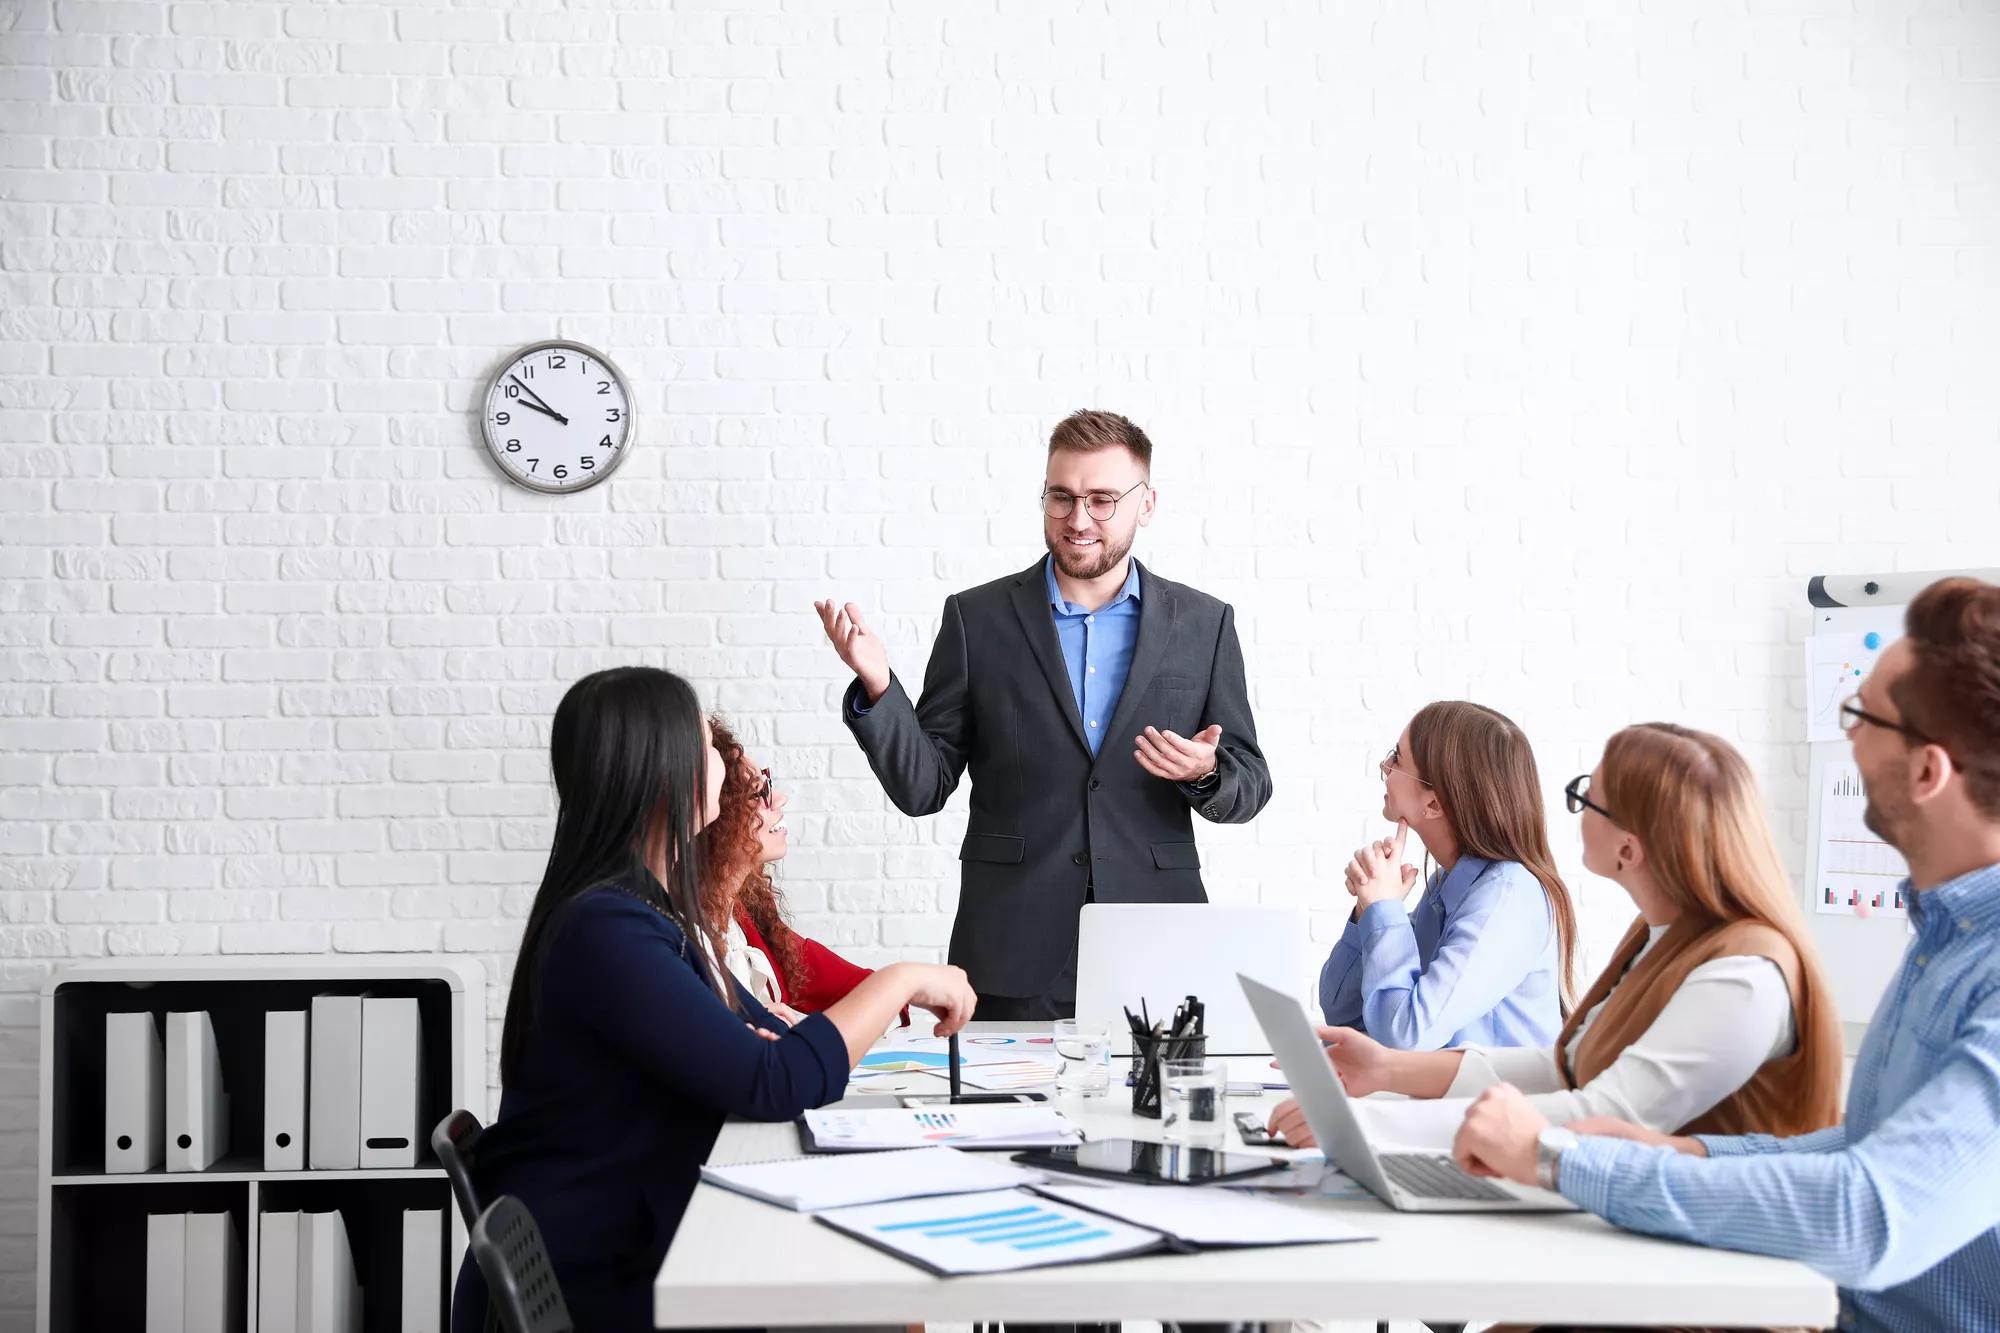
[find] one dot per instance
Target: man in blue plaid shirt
(1901, 1204)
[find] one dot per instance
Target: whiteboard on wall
(1852, 890)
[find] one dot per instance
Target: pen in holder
(1154, 1042)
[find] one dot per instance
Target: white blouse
(749, 965)
(1729, 1016)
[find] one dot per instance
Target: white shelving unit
(91, 1261)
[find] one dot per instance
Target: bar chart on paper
(1859, 874)
(990, 1233)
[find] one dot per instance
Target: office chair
(520, 1282)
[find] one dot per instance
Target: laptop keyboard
(1436, 1176)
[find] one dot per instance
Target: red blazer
(828, 975)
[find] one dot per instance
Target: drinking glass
(1192, 1097)
(1084, 1049)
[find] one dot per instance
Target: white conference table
(738, 1262)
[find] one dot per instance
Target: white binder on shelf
(423, 1270)
(391, 1081)
(334, 1100)
(278, 1273)
(166, 1272)
(329, 1297)
(134, 1094)
(285, 1036)
(197, 1118)
(213, 1275)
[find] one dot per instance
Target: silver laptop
(1410, 1182)
(1162, 953)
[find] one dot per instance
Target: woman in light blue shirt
(1484, 956)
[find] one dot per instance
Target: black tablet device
(1149, 1163)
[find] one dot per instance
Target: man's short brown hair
(1086, 432)
(1951, 692)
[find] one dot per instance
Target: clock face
(557, 417)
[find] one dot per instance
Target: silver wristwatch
(1550, 1145)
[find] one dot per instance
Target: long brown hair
(1482, 770)
(734, 861)
(1693, 804)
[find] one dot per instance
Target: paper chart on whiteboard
(1859, 874)
(1836, 664)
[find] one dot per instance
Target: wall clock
(557, 417)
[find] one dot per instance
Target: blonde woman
(1713, 1016)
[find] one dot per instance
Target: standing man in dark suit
(1035, 683)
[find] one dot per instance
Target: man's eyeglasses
(1577, 796)
(1100, 505)
(764, 789)
(1852, 715)
(1389, 765)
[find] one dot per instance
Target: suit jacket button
(1209, 811)
(1095, 784)
(1079, 859)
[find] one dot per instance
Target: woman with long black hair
(626, 1043)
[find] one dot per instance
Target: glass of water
(1192, 1097)
(1084, 1049)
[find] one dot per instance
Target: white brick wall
(1535, 354)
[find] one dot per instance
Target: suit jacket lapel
(1031, 607)
(1156, 625)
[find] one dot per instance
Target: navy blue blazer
(631, 1066)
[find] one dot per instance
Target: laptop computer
(1410, 1182)
(1162, 953)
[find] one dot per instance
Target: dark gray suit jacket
(1048, 821)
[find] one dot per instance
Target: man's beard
(1094, 563)
(1886, 817)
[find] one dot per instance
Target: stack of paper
(1016, 1126)
(809, 1184)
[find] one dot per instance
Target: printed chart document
(1015, 1126)
(989, 1061)
(996, 1232)
(811, 1184)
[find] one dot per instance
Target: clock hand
(538, 404)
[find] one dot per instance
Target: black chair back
(454, 1141)
(520, 1281)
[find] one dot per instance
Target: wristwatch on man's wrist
(1209, 783)
(1550, 1145)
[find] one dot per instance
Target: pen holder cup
(1147, 1052)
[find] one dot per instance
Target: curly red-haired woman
(791, 974)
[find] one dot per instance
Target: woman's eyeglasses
(1577, 796)
(1389, 765)
(764, 789)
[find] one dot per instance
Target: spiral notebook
(809, 1184)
